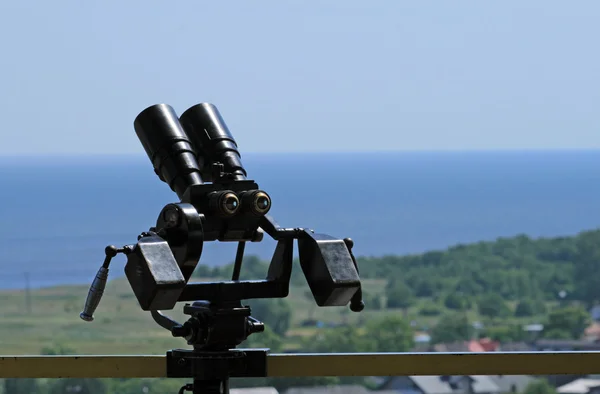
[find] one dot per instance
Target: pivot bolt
(180, 331)
(171, 217)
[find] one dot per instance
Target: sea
(57, 214)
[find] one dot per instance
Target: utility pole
(27, 294)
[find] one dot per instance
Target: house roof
(451, 347)
(341, 389)
(566, 344)
(431, 384)
(254, 390)
(487, 345)
(422, 347)
(484, 384)
(593, 329)
(441, 384)
(475, 346)
(515, 347)
(579, 386)
(533, 327)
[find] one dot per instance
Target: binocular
(197, 156)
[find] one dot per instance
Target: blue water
(58, 214)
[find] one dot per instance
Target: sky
(298, 76)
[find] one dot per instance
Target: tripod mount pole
(214, 331)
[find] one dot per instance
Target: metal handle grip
(95, 294)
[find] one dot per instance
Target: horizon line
(318, 152)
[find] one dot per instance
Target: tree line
(512, 269)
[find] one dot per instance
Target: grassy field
(121, 327)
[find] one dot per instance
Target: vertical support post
(27, 294)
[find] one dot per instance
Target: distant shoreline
(141, 155)
(117, 273)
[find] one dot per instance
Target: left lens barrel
(168, 147)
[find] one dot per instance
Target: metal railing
(305, 365)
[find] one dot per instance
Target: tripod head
(197, 156)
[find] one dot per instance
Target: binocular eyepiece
(224, 203)
(228, 203)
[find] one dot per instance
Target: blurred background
(455, 142)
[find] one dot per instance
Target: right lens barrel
(211, 138)
(168, 147)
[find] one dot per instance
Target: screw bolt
(171, 217)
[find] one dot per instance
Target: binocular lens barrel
(211, 138)
(168, 147)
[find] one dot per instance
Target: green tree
(298, 278)
(540, 306)
(556, 333)
(81, 386)
(452, 328)
(253, 268)
(530, 307)
(266, 339)
(391, 334)
(22, 386)
(387, 334)
(469, 286)
(425, 286)
(274, 312)
(507, 333)
(150, 386)
(525, 308)
(313, 306)
(203, 271)
(345, 339)
(515, 268)
(587, 256)
(568, 322)
(399, 295)
(455, 301)
(372, 301)
(219, 272)
(493, 306)
(540, 386)
(57, 349)
(430, 309)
